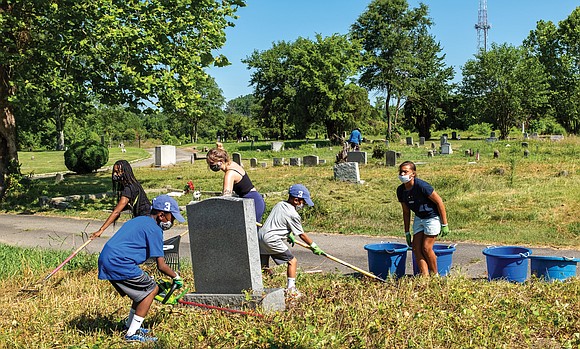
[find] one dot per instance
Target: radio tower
(482, 26)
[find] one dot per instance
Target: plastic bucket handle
(452, 245)
(569, 259)
(525, 255)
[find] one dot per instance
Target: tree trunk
(59, 123)
(8, 148)
(389, 126)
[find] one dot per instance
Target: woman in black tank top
(236, 179)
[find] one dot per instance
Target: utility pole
(482, 26)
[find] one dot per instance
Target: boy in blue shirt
(136, 241)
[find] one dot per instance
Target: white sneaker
(293, 292)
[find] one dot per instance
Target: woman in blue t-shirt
(430, 217)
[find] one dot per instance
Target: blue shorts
(429, 226)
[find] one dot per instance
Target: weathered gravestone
(295, 162)
(432, 145)
(357, 156)
(446, 149)
(525, 144)
(526, 153)
(421, 140)
(535, 135)
(277, 146)
(409, 140)
(391, 158)
(347, 171)
(278, 162)
(454, 135)
(492, 137)
(237, 158)
(443, 139)
(165, 155)
(264, 164)
(310, 160)
(526, 136)
(321, 161)
(430, 153)
(225, 255)
(58, 178)
(253, 162)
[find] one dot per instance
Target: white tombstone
(446, 149)
(165, 155)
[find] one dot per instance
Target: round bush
(86, 157)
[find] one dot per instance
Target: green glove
(291, 239)
(444, 230)
(316, 250)
(408, 237)
(178, 281)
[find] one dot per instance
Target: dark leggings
(259, 204)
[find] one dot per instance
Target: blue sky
(263, 22)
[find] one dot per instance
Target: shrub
(482, 129)
(379, 151)
(86, 157)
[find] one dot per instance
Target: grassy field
(509, 200)
(53, 161)
(75, 310)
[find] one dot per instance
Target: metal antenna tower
(482, 26)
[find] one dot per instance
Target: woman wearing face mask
(430, 216)
(236, 179)
(130, 195)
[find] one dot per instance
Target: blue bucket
(444, 255)
(388, 258)
(507, 262)
(553, 268)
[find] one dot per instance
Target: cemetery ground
(516, 200)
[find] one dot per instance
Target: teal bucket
(444, 255)
(553, 268)
(387, 258)
(507, 262)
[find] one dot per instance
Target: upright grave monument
(225, 255)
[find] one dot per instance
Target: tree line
(73, 70)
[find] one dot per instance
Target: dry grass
(77, 311)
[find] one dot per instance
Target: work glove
(178, 281)
(315, 249)
(444, 230)
(291, 239)
(408, 237)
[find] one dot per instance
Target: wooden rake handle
(340, 261)
(67, 259)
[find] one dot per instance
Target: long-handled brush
(366, 273)
(37, 286)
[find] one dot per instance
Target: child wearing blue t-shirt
(136, 241)
(430, 216)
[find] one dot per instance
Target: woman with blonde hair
(236, 179)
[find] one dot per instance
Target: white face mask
(405, 179)
(299, 207)
(165, 225)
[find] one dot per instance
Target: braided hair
(126, 178)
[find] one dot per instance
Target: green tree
(430, 86)
(388, 31)
(113, 52)
(505, 85)
(273, 85)
(557, 48)
(304, 82)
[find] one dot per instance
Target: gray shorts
(279, 258)
(136, 288)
